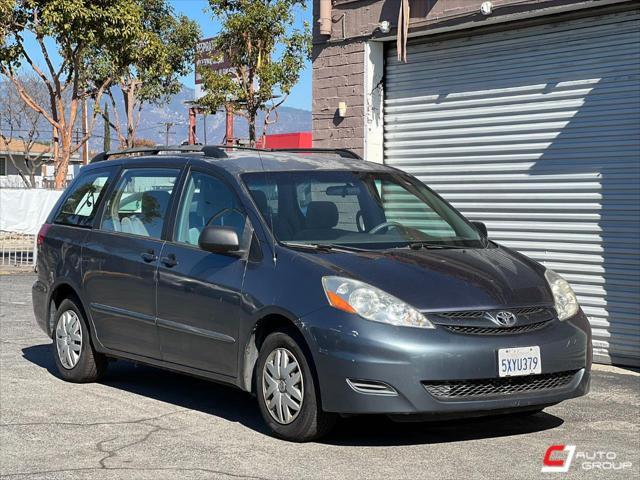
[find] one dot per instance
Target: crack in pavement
(93, 424)
(100, 446)
(110, 454)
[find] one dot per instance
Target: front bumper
(345, 347)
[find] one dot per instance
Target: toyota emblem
(503, 318)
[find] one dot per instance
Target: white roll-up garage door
(536, 131)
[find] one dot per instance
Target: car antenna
(273, 237)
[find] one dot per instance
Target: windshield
(372, 210)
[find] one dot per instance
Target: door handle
(149, 256)
(169, 261)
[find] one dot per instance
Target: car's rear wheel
(75, 357)
(287, 394)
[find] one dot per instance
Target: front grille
(461, 315)
(466, 389)
(529, 310)
(473, 330)
(476, 314)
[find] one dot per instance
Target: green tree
(82, 32)
(106, 144)
(266, 54)
(6, 7)
(165, 52)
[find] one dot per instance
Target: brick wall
(338, 76)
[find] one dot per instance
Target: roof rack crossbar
(208, 150)
(218, 151)
(343, 152)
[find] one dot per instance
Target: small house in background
(43, 172)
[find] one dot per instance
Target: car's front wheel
(286, 391)
(75, 357)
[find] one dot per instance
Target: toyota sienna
(323, 284)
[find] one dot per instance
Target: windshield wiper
(428, 245)
(323, 246)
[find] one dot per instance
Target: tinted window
(82, 200)
(140, 202)
(207, 201)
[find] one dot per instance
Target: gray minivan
(322, 284)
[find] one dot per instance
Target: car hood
(447, 279)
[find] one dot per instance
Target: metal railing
(17, 250)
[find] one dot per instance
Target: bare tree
(20, 129)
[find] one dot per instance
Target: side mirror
(481, 227)
(219, 239)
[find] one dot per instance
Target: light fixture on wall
(342, 109)
(384, 26)
(486, 8)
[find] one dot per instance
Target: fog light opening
(371, 387)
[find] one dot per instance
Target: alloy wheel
(282, 386)
(69, 339)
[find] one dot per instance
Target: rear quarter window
(81, 202)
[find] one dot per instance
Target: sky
(195, 9)
(300, 96)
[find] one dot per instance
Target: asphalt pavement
(143, 423)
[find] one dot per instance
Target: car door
(121, 260)
(199, 293)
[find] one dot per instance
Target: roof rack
(208, 150)
(218, 151)
(343, 152)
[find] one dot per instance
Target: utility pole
(204, 127)
(167, 131)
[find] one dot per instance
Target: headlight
(371, 303)
(563, 296)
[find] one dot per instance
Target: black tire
(311, 422)
(90, 365)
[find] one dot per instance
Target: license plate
(513, 362)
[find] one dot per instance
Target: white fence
(17, 249)
(22, 212)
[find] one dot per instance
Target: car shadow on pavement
(380, 431)
(178, 389)
(238, 406)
